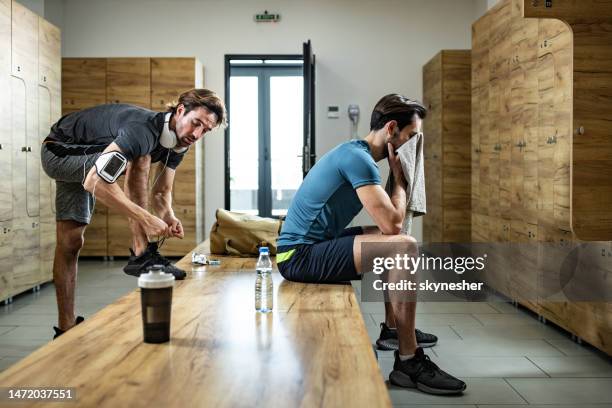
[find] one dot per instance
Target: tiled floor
(506, 357)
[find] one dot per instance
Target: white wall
(364, 49)
(37, 6)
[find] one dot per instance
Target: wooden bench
(312, 350)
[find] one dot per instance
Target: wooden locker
(432, 149)
(456, 152)
(83, 83)
(6, 258)
(128, 81)
(6, 145)
(49, 110)
(24, 55)
(169, 78)
(84, 86)
(553, 83)
(446, 94)
(26, 148)
(6, 153)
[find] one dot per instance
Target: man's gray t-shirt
(135, 130)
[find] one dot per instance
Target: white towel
(411, 157)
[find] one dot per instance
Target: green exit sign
(267, 17)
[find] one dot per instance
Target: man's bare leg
(136, 189)
(389, 316)
(404, 312)
(69, 243)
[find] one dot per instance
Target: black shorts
(324, 262)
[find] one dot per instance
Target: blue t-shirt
(327, 201)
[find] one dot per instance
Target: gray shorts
(68, 165)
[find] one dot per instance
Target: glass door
(265, 135)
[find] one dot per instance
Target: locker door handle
(0, 146)
(24, 149)
(29, 148)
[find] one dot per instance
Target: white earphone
(168, 138)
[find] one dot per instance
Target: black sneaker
(151, 256)
(59, 332)
(388, 338)
(422, 373)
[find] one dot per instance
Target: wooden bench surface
(312, 350)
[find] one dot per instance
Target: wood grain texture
(446, 94)
(313, 349)
(49, 111)
(24, 55)
(6, 259)
(591, 147)
(169, 78)
(150, 83)
(83, 83)
(6, 151)
(84, 86)
(539, 98)
(128, 80)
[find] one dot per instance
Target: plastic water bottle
(263, 282)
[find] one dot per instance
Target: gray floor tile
(571, 348)
(479, 391)
(527, 331)
(6, 329)
(564, 390)
(437, 406)
(546, 406)
(505, 307)
(577, 366)
(21, 347)
(6, 362)
(497, 319)
(476, 367)
(454, 307)
(17, 319)
(372, 307)
(499, 348)
(28, 333)
(436, 319)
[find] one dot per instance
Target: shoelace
(428, 366)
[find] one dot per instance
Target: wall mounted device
(333, 112)
(353, 114)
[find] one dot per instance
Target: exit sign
(267, 17)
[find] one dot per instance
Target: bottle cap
(156, 278)
(263, 250)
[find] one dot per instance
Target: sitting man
(88, 150)
(314, 245)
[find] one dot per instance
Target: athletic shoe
(59, 332)
(388, 339)
(422, 373)
(140, 264)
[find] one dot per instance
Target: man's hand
(154, 226)
(175, 228)
(396, 167)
